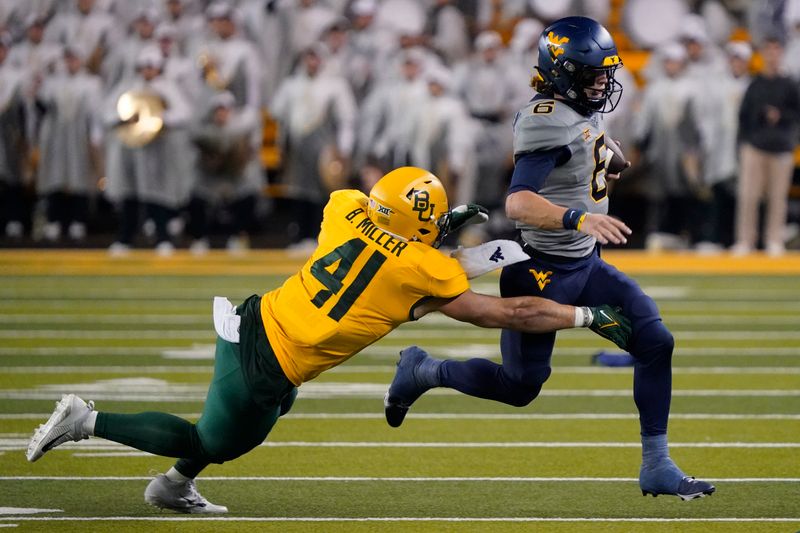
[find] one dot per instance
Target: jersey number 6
(599, 188)
(346, 254)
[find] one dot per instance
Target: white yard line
(13, 444)
(342, 444)
(490, 348)
(136, 370)
(84, 350)
(116, 319)
(406, 333)
(480, 416)
(417, 479)
(380, 369)
(204, 319)
(157, 391)
(105, 334)
(254, 519)
(744, 370)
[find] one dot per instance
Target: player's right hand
(605, 229)
(464, 215)
(609, 322)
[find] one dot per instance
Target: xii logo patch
(542, 278)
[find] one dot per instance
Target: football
(617, 162)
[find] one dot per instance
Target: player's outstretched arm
(523, 313)
(531, 314)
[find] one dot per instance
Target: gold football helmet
(410, 203)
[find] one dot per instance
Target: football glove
(608, 322)
(464, 215)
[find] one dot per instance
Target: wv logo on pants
(542, 278)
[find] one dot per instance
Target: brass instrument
(140, 117)
(208, 64)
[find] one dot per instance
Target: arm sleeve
(531, 169)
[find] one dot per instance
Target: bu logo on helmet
(554, 43)
(422, 204)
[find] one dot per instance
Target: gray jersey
(580, 183)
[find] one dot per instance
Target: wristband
(580, 221)
(573, 218)
(583, 317)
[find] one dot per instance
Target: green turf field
(137, 335)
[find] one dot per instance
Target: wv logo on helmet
(542, 278)
(422, 204)
(555, 44)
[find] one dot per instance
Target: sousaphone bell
(140, 118)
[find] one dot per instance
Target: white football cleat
(179, 496)
(65, 424)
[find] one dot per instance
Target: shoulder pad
(447, 277)
(345, 200)
(544, 125)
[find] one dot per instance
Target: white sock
(175, 476)
(88, 424)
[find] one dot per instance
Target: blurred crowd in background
(195, 123)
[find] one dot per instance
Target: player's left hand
(610, 323)
(605, 229)
(464, 215)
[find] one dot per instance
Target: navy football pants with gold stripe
(526, 357)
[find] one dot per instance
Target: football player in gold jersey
(376, 266)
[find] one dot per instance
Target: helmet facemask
(443, 223)
(583, 80)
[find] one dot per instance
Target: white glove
(479, 260)
(226, 321)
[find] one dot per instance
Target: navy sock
(658, 469)
(427, 372)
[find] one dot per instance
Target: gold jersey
(359, 284)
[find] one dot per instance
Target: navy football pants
(526, 357)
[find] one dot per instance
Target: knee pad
(661, 336)
(652, 342)
(648, 328)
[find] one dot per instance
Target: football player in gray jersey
(558, 198)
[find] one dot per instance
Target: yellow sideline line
(30, 262)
